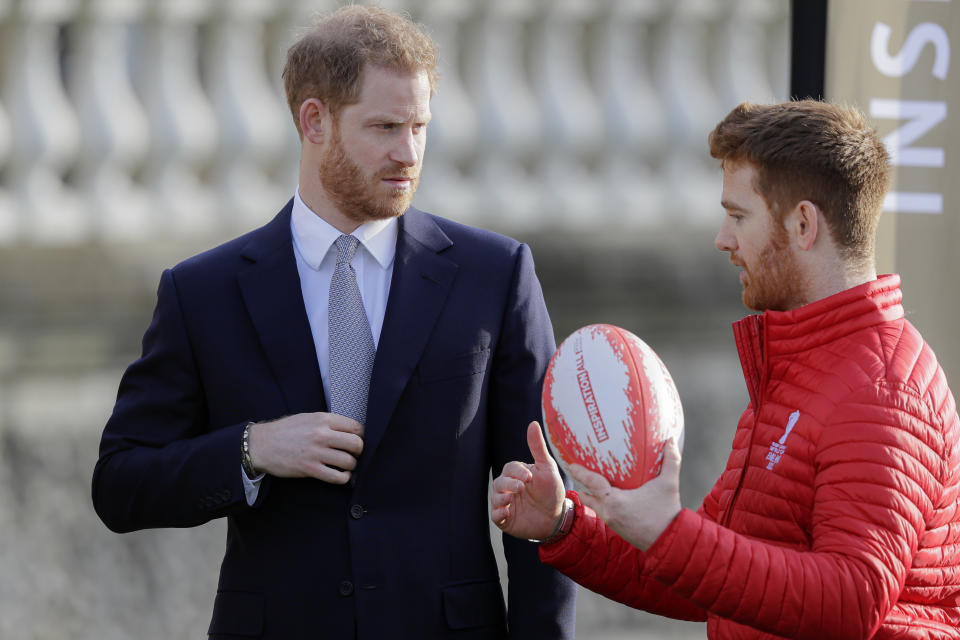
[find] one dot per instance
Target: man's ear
(803, 222)
(314, 120)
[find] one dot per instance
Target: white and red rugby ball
(610, 405)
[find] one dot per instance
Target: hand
(640, 515)
(528, 498)
(324, 446)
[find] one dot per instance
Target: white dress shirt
(313, 246)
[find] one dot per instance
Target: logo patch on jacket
(777, 449)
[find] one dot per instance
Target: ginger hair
(816, 151)
(328, 61)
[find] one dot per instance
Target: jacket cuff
(554, 552)
(670, 553)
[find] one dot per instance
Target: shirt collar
(314, 236)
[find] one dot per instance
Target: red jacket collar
(841, 314)
(775, 333)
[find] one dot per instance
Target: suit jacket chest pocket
(454, 388)
(459, 366)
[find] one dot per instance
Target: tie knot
(346, 247)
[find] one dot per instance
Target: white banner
(894, 60)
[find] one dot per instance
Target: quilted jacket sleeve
(880, 469)
(600, 560)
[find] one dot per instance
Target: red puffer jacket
(838, 515)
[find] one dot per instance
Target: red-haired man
(838, 515)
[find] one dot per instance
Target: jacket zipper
(754, 368)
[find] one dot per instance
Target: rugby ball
(610, 405)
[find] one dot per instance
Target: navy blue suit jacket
(404, 550)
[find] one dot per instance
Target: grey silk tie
(351, 342)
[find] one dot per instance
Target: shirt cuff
(251, 488)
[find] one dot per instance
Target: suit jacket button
(356, 512)
(346, 588)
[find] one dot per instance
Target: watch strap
(564, 523)
(245, 460)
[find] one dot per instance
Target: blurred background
(134, 134)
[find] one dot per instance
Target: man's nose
(406, 151)
(724, 240)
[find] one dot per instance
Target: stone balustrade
(127, 120)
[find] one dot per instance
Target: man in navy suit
(302, 379)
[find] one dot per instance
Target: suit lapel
(418, 291)
(271, 291)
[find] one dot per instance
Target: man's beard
(775, 282)
(358, 196)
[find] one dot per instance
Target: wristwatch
(564, 523)
(245, 460)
